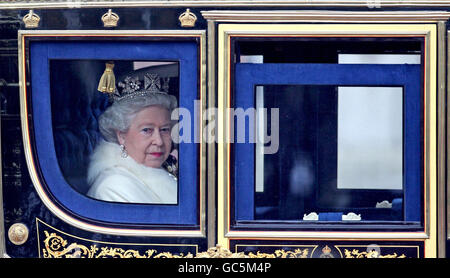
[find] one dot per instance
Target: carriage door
(326, 140)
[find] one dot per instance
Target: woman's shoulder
(114, 186)
(118, 185)
(117, 179)
(105, 156)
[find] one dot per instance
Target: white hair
(118, 117)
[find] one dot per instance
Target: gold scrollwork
(57, 247)
(297, 253)
(370, 254)
(220, 252)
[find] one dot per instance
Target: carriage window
(338, 128)
(85, 143)
(346, 139)
(102, 128)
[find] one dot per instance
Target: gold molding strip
(218, 3)
(211, 156)
(441, 143)
(327, 16)
(448, 137)
(63, 215)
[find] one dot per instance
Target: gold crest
(326, 252)
(31, 20)
(110, 19)
(187, 19)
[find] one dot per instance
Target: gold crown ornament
(326, 250)
(31, 20)
(187, 19)
(110, 19)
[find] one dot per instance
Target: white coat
(117, 179)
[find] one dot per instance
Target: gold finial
(187, 19)
(18, 233)
(31, 20)
(110, 19)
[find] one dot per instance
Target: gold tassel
(107, 82)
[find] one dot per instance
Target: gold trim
(280, 253)
(448, 134)
(370, 254)
(204, 185)
(309, 251)
(355, 253)
(56, 246)
(110, 19)
(428, 31)
(217, 3)
(327, 16)
(220, 252)
(441, 153)
(300, 251)
(31, 20)
(211, 152)
(22, 34)
(187, 19)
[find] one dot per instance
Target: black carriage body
(220, 180)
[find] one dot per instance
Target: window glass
(67, 100)
(339, 128)
(330, 138)
(87, 151)
(379, 59)
(370, 138)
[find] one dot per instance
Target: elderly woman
(127, 165)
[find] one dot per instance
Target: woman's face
(148, 139)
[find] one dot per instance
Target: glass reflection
(370, 138)
(340, 151)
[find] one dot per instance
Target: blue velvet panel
(186, 211)
(408, 76)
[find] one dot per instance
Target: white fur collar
(108, 155)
